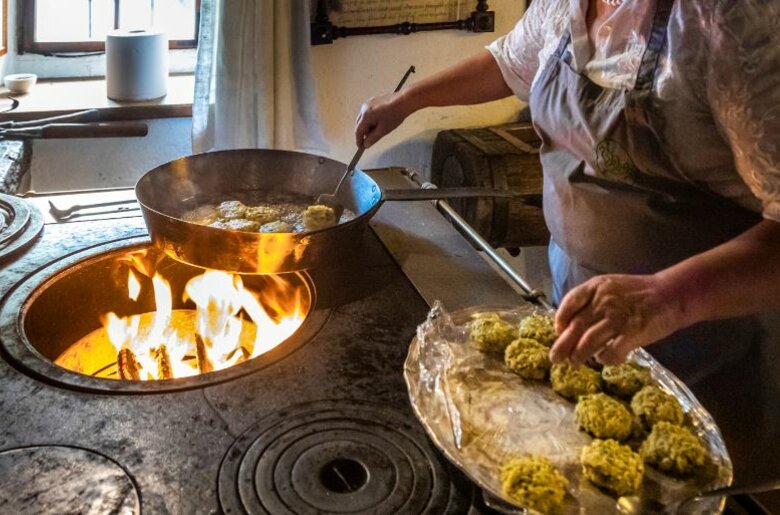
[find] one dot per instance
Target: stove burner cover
(336, 457)
(55, 479)
(20, 223)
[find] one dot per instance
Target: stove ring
(20, 224)
(337, 457)
(17, 347)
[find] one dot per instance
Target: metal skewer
(332, 200)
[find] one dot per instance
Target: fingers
(593, 341)
(377, 118)
(362, 127)
(608, 316)
(568, 339)
(368, 119)
(572, 304)
(615, 352)
(367, 131)
(375, 133)
(569, 325)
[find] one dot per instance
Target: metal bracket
(324, 32)
(533, 295)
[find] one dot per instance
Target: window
(52, 26)
(3, 27)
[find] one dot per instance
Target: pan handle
(415, 194)
(86, 116)
(77, 130)
(94, 130)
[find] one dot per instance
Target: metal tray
(479, 414)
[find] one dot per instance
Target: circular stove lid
(20, 223)
(336, 457)
(58, 479)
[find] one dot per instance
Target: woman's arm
(611, 315)
(472, 81)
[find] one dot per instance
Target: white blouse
(720, 66)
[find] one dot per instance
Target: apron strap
(563, 44)
(655, 44)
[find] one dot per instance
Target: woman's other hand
(378, 117)
(611, 315)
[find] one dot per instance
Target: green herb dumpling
(540, 328)
(604, 417)
(612, 466)
(571, 383)
(534, 482)
(673, 449)
(490, 334)
(652, 405)
(528, 358)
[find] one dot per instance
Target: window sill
(56, 97)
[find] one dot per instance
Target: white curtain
(254, 86)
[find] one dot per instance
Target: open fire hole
(134, 317)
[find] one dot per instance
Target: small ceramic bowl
(20, 82)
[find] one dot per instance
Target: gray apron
(614, 203)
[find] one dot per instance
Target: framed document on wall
(336, 19)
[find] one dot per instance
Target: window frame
(4, 14)
(27, 43)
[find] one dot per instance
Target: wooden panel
(504, 157)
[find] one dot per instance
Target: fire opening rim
(23, 354)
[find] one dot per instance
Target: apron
(614, 203)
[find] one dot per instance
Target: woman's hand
(379, 116)
(474, 80)
(610, 315)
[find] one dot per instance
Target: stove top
(325, 428)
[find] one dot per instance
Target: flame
(229, 325)
(133, 286)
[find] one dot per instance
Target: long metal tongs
(332, 200)
(86, 116)
(82, 124)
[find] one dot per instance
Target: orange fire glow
(229, 325)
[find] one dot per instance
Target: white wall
(353, 69)
(105, 163)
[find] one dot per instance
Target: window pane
(175, 17)
(135, 14)
(62, 20)
(102, 19)
(2, 23)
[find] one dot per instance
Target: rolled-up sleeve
(517, 53)
(743, 88)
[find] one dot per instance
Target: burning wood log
(204, 365)
(164, 369)
(127, 365)
(245, 354)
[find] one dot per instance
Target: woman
(661, 158)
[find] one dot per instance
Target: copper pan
(168, 191)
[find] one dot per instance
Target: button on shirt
(718, 80)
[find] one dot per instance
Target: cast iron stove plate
(20, 223)
(336, 457)
(58, 479)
